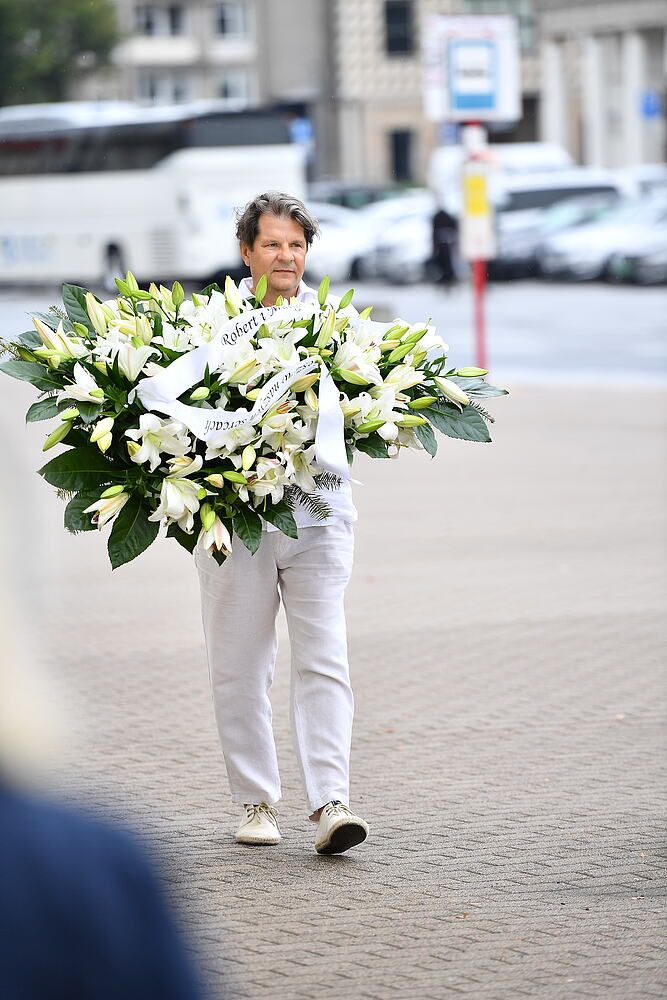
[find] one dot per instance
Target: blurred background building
(603, 73)
(340, 69)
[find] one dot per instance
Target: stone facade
(604, 79)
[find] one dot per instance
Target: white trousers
(240, 601)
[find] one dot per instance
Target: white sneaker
(339, 829)
(260, 825)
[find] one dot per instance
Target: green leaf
(30, 339)
(477, 387)
(43, 409)
(80, 469)
(468, 425)
(74, 300)
(132, 533)
(29, 371)
(75, 520)
(281, 516)
(248, 526)
(373, 445)
(88, 411)
(424, 433)
(189, 542)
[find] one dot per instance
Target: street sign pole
(477, 229)
(471, 76)
(479, 286)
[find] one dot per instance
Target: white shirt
(339, 501)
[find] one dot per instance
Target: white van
(508, 159)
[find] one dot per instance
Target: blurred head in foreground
(81, 913)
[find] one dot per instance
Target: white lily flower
(156, 436)
(106, 509)
(227, 442)
(217, 537)
(298, 468)
(84, 389)
(351, 357)
(132, 359)
(403, 377)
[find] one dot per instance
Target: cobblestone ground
(506, 632)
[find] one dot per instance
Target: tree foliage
(45, 44)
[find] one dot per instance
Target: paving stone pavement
(506, 636)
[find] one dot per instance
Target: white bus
(88, 191)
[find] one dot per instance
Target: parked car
(518, 246)
(585, 252)
(345, 240)
(645, 178)
(402, 231)
(351, 195)
(645, 267)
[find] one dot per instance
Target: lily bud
(97, 393)
(132, 448)
(131, 282)
(112, 491)
(71, 413)
(248, 457)
(311, 399)
(472, 372)
(451, 390)
(101, 366)
(61, 432)
(366, 313)
(201, 393)
(96, 314)
(346, 299)
(216, 480)
(304, 383)
(341, 323)
(415, 336)
(349, 409)
(352, 377)
(253, 393)
(102, 427)
(399, 352)
(422, 401)
(326, 330)
(235, 477)
(232, 297)
(369, 426)
(104, 443)
(206, 516)
(201, 494)
(323, 291)
(418, 357)
(388, 345)
(411, 420)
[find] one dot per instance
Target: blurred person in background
(445, 236)
(82, 916)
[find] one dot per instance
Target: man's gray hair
(274, 203)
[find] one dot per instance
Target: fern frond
(328, 481)
(65, 494)
(58, 311)
(480, 409)
(311, 501)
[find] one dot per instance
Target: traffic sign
(471, 69)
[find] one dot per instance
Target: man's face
(279, 252)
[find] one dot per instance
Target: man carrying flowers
(241, 598)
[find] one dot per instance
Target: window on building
(399, 27)
(154, 19)
(400, 150)
(521, 9)
(234, 86)
(232, 19)
(163, 87)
